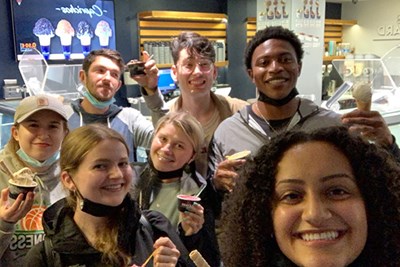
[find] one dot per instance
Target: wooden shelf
(340, 22)
(334, 30)
(251, 28)
(162, 26)
(183, 16)
(330, 58)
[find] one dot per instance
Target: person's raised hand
(369, 124)
(166, 253)
(13, 212)
(149, 80)
(226, 174)
(192, 219)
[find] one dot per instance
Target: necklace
(265, 120)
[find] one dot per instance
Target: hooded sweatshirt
(129, 122)
(17, 238)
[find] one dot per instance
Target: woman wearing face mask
(98, 224)
(177, 141)
(40, 124)
(327, 198)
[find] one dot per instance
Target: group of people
(315, 191)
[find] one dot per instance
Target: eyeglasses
(204, 65)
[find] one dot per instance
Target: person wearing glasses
(195, 72)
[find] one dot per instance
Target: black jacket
(70, 248)
(205, 241)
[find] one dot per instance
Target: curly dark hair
(194, 43)
(246, 238)
(273, 32)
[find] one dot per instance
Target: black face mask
(277, 102)
(166, 175)
(96, 209)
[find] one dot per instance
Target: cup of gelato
(84, 33)
(185, 201)
(65, 31)
(44, 30)
(22, 182)
(136, 67)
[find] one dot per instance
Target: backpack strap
(143, 220)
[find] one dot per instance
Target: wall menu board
(63, 29)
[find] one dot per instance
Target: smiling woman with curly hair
(325, 198)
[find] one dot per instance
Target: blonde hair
(190, 126)
(75, 147)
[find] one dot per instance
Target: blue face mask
(98, 104)
(34, 162)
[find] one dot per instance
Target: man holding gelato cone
(273, 60)
(369, 124)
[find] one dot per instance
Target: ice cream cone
(44, 30)
(84, 33)
(104, 41)
(44, 41)
(85, 42)
(66, 45)
(65, 31)
(364, 106)
(104, 32)
(362, 93)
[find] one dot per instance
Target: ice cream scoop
(362, 93)
(45, 31)
(104, 32)
(84, 33)
(65, 31)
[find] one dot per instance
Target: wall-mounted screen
(165, 82)
(63, 29)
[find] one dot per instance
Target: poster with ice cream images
(63, 30)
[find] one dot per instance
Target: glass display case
(383, 75)
(61, 80)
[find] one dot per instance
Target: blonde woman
(98, 224)
(178, 140)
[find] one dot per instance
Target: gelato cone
(45, 31)
(362, 93)
(85, 34)
(198, 259)
(104, 32)
(65, 31)
(239, 155)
